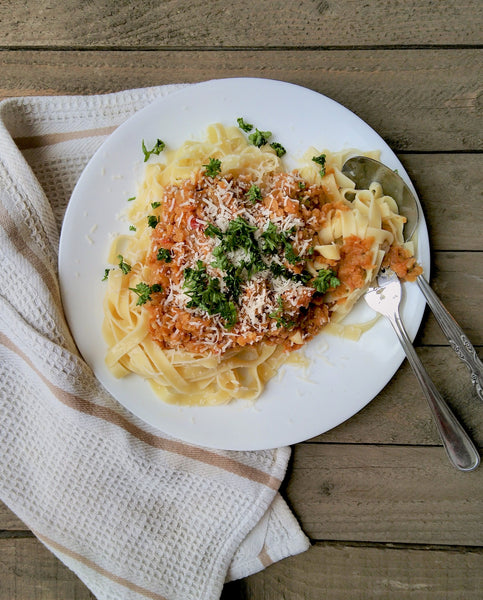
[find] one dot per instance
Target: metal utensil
(385, 299)
(363, 171)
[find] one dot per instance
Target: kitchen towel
(133, 512)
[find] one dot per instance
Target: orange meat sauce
(274, 309)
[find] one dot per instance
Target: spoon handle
(460, 449)
(456, 336)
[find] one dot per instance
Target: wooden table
(387, 514)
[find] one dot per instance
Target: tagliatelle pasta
(234, 262)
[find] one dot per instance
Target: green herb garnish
(131, 198)
(205, 293)
(158, 147)
(213, 167)
(144, 291)
(153, 221)
(279, 149)
(254, 194)
(213, 231)
(320, 160)
(243, 125)
(155, 204)
(164, 254)
(259, 138)
(124, 266)
(325, 280)
(132, 228)
(106, 274)
(278, 315)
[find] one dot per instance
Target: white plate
(299, 404)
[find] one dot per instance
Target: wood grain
(335, 571)
(431, 99)
(343, 572)
(384, 494)
(261, 23)
(30, 572)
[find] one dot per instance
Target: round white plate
(300, 403)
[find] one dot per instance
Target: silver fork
(384, 299)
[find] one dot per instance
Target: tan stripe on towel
(18, 241)
(95, 567)
(174, 446)
(48, 139)
(264, 557)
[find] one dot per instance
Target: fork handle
(461, 451)
(456, 336)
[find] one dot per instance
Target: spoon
(384, 298)
(363, 171)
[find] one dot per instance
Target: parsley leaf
(321, 161)
(131, 198)
(205, 293)
(124, 266)
(271, 239)
(164, 254)
(144, 291)
(254, 194)
(278, 316)
(132, 228)
(325, 280)
(155, 204)
(243, 125)
(106, 274)
(279, 149)
(259, 138)
(158, 147)
(213, 167)
(153, 221)
(213, 231)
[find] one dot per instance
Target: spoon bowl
(363, 171)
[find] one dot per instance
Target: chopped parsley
(213, 168)
(279, 149)
(205, 293)
(243, 125)
(158, 147)
(278, 315)
(106, 274)
(153, 221)
(273, 240)
(144, 291)
(124, 266)
(325, 280)
(164, 254)
(155, 204)
(259, 138)
(132, 228)
(320, 160)
(254, 194)
(131, 198)
(213, 231)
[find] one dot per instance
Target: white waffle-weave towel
(135, 513)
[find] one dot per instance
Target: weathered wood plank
(449, 187)
(346, 573)
(261, 23)
(330, 571)
(457, 278)
(9, 521)
(417, 100)
(29, 571)
(385, 494)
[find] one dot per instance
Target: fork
(385, 299)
